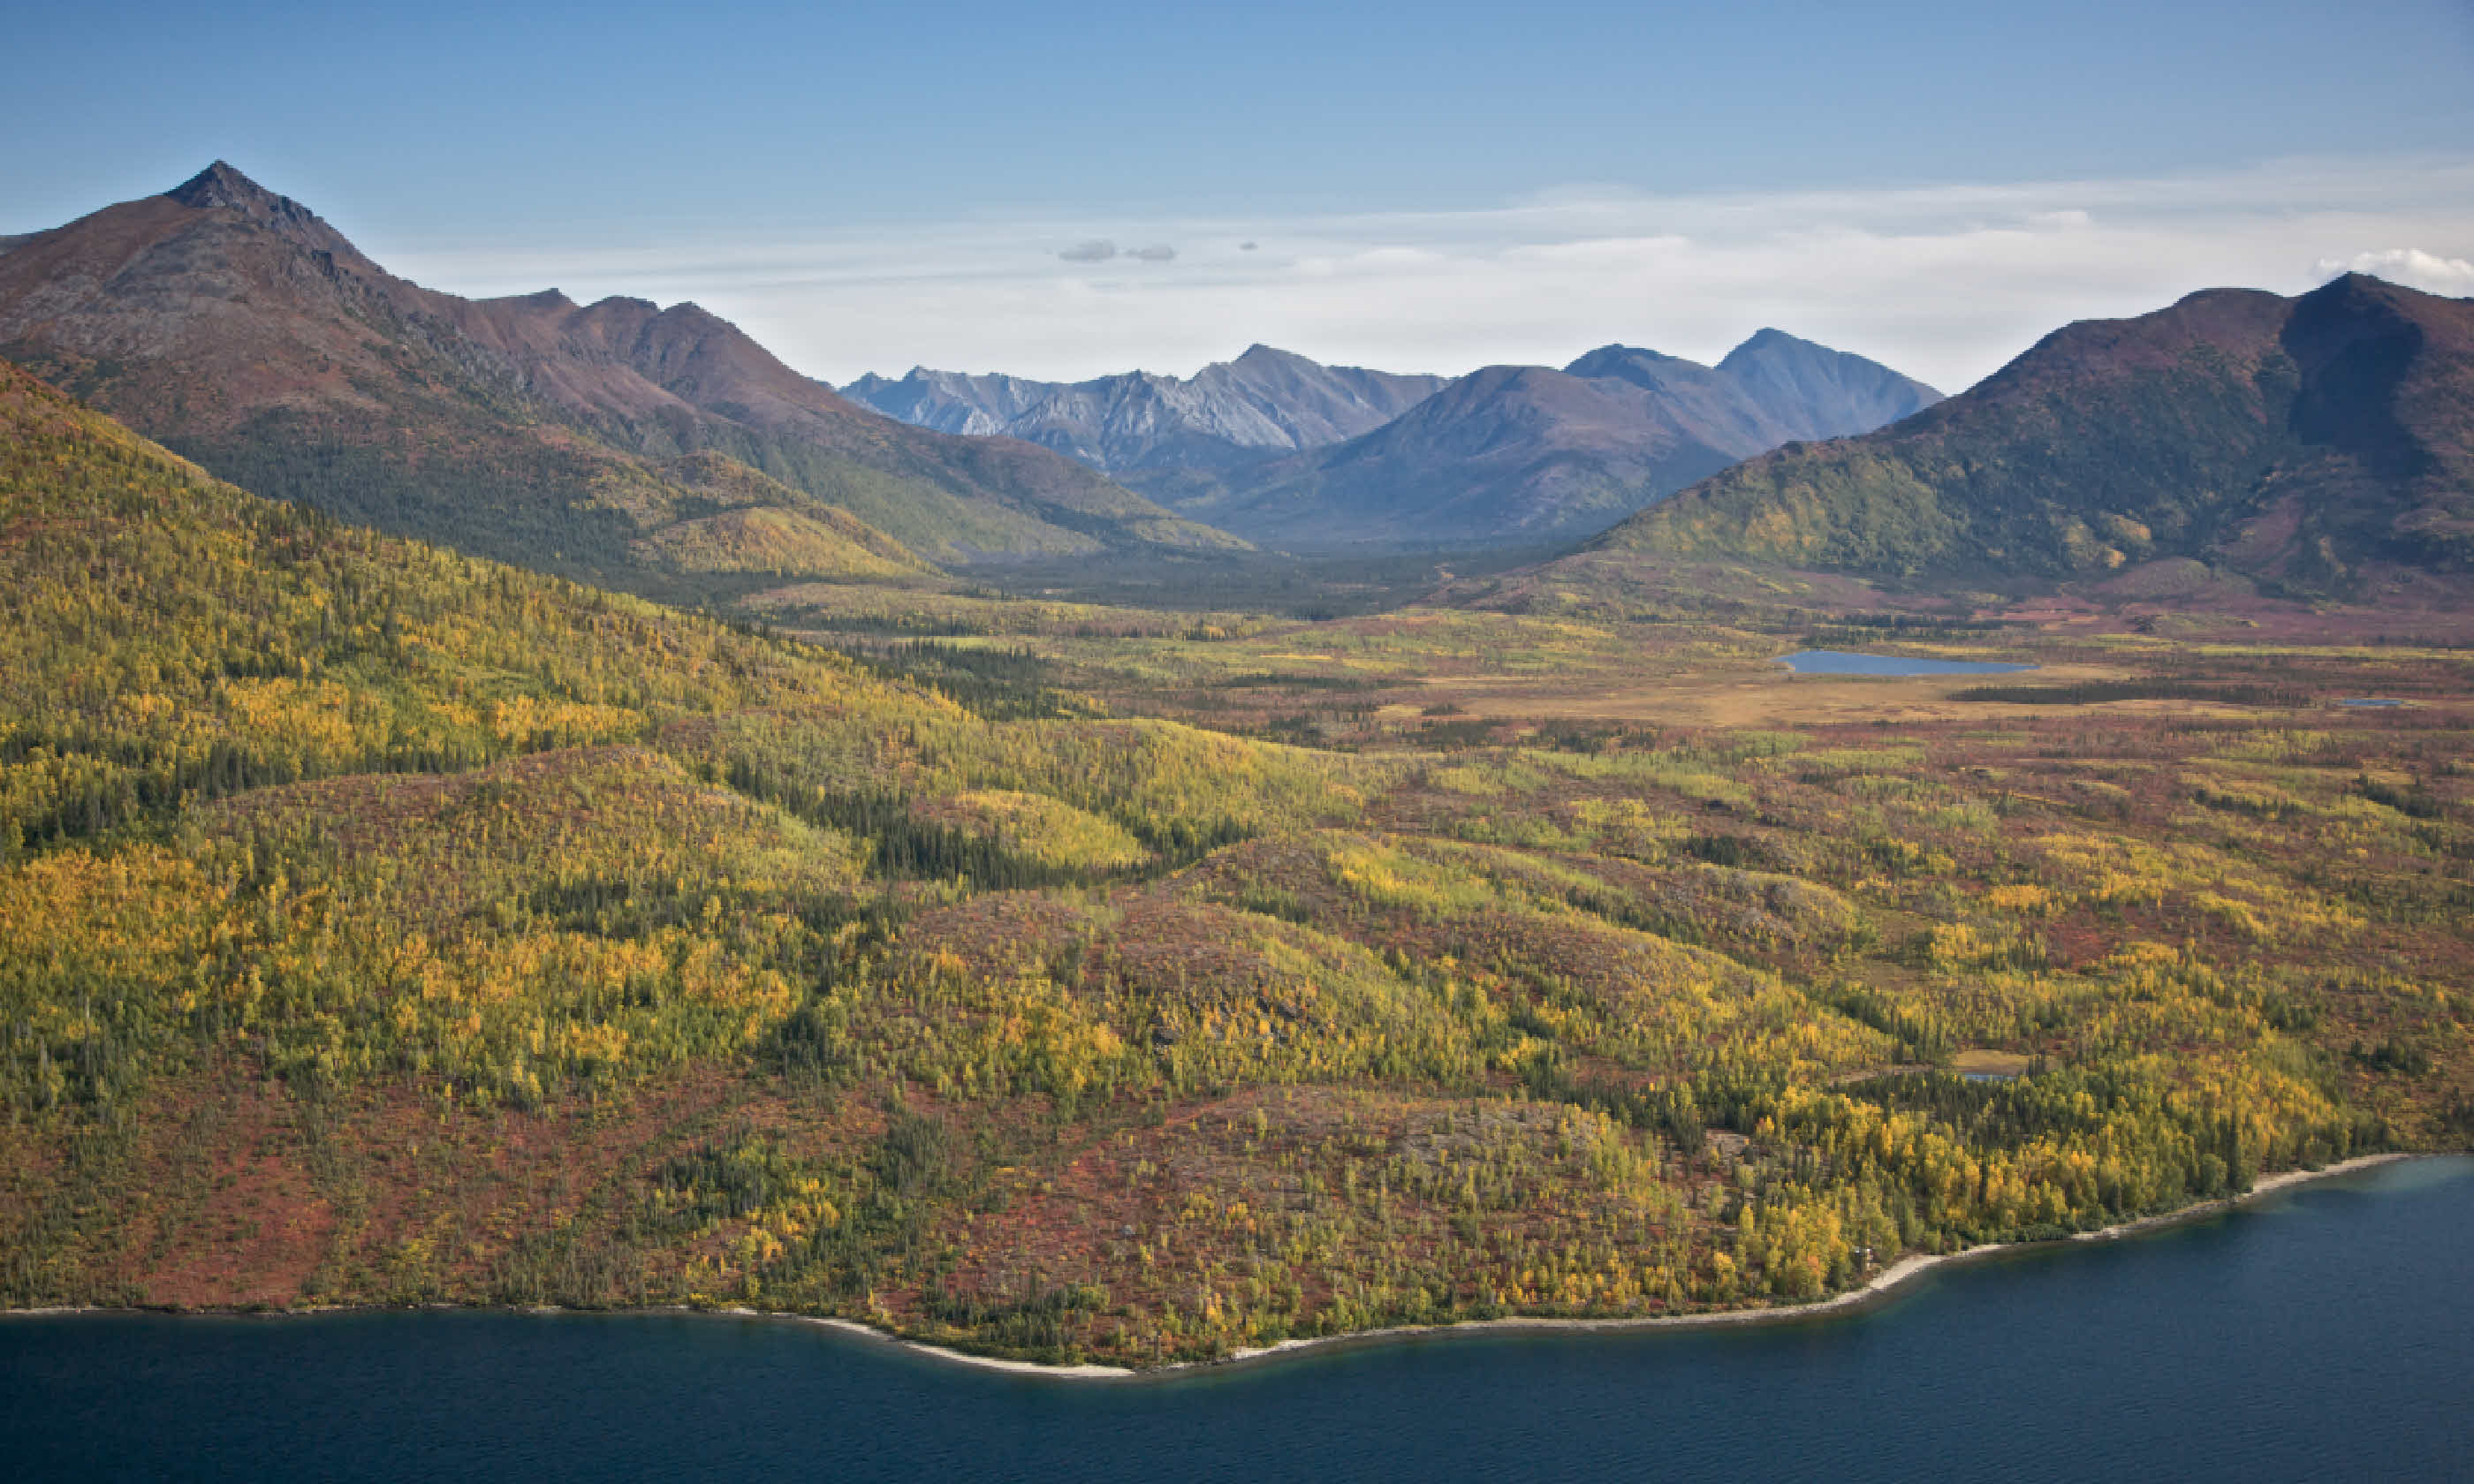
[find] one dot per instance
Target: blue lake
(1840, 661)
(2324, 1333)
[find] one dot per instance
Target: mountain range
(664, 450)
(2304, 443)
(1265, 403)
(1288, 452)
(1532, 454)
(237, 326)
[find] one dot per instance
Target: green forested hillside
(170, 639)
(378, 925)
(201, 683)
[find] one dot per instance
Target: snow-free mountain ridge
(1264, 403)
(240, 328)
(1530, 454)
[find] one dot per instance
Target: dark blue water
(1840, 661)
(2327, 1333)
(2373, 700)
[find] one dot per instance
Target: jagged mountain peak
(1770, 345)
(221, 187)
(1770, 337)
(221, 196)
(2363, 285)
(1812, 391)
(1261, 354)
(1265, 403)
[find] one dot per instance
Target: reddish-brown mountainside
(239, 328)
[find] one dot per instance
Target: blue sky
(870, 185)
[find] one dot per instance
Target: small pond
(1839, 661)
(2371, 700)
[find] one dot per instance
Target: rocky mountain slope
(1526, 453)
(2298, 442)
(1809, 391)
(238, 328)
(1265, 403)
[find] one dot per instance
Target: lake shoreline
(1877, 1288)
(1882, 1285)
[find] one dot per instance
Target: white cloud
(2412, 267)
(1944, 282)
